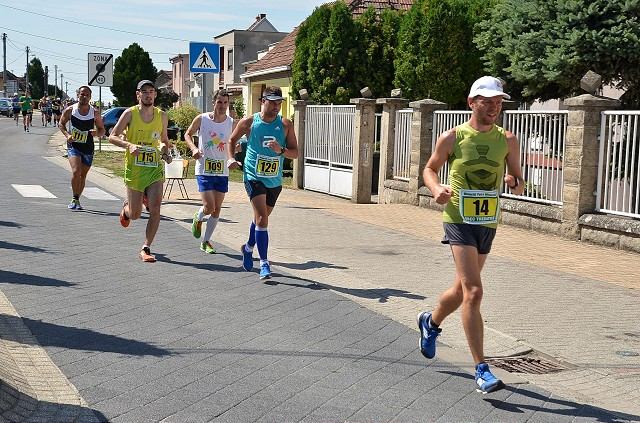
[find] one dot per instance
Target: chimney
(261, 16)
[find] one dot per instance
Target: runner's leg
(154, 195)
(468, 267)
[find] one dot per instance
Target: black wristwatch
(284, 150)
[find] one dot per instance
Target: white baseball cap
(488, 86)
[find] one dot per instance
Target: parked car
(110, 118)
(5, 107)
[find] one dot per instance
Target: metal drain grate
(530, 363)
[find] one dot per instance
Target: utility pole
(4, 64)
(46, 81)
(61, 83)
(26, 75)
(66, 88)
(55, 87)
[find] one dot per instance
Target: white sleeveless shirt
(213, 141)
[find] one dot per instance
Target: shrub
(183, 115)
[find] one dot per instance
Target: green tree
(36, 78)
(377, 43)
(238, 107)
(542, 49)
(133, 65)
(326, 59)
(436, 57)
(166, 98)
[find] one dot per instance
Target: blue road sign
(204, 57)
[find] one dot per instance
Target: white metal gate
(328, 152)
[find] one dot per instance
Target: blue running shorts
(212, 183)
(86, 159)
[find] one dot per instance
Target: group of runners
(50, 109)
(481, 157)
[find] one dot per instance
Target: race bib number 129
(267, 167)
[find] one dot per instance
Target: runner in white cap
(477, 152)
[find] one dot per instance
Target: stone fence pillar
(387, 138)
(421, 138)
(580, 163)
(363, 146)
(299, 125)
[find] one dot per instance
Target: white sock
(200, 213)
(248, 249)
(263, 262)
(208, 230)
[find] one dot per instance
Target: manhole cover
(530, 363)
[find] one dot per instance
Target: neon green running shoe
(207, 248)
(196, 226)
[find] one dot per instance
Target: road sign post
(100, 69)
(204, 58)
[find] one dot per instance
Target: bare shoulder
(510, 136)
(447, 137)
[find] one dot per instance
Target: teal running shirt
(262, 163)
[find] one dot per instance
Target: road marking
(95, 193)
(33, 191)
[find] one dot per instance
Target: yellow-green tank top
(477, 162)
(146, 167)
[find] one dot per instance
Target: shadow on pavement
(19, 406)
(49, 334)
(10, 224)
(7, 276)
(381, 294)
(309, 265)
(19, 247)
(202, 266)
(571, 409)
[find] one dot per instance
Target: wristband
(230, 162)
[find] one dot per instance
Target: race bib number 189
(478, 207)
(147, 157)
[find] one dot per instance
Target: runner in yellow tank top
(142, 132)
(476, 152)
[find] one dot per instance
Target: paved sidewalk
(554, 298)
(147, 349)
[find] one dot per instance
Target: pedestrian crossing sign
(204, 57)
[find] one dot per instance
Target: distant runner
(80, 147)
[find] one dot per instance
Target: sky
(63, 35)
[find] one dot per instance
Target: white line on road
(95, 193)
(33, 191)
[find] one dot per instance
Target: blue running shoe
(428, 335)
(265, 271)
(72, 205)
(485, 380)
(78, 206)
(247, 259)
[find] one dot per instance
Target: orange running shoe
(124, 219)
(146, 256)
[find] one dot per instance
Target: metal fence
(444, 120)
(329, 134)
(402, 145)
(618, 190)
(541, 135)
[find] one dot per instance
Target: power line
(72, 42)
(94, 26)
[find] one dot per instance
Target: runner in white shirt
(212, 174)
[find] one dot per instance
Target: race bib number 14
(478, 207)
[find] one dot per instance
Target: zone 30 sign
(100, 69)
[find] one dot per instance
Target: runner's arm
(116, 137)
(62, 124)
(99, 123)
(242, 128)
(164, 139)
(513, 177)
(188, 136)
(291, 149)
(444, 147)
